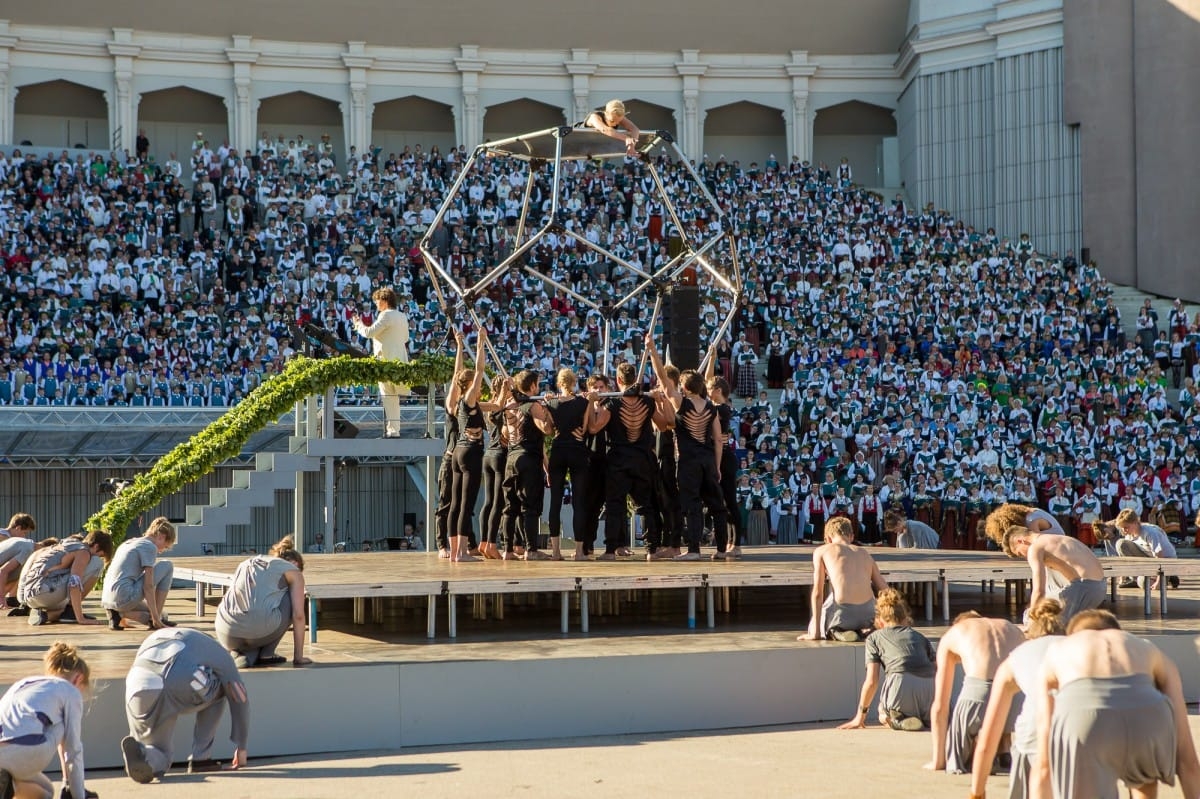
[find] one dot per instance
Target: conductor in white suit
(389, 333)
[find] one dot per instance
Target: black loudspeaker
(1085, 255)
(342, 427)
(681, 325)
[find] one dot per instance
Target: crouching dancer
(267, 597)
(38, 717)
(1112, 709)
(57, 578)
(177, 672)
(848, 614)
(136, 585)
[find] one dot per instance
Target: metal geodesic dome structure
(705, 250)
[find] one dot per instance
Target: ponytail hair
(64, 660)
(285, 549)
(892, 609)
(1045, 618)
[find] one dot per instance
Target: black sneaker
(136, 765)
(11, 602)
(6, 785)
(114, 620)
(1173, 581)
(68, 615)
(21, 611)
(203, 766)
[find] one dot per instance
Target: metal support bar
(583, 610)
(565, 612)
(691, 608)
(431, 617)
(710, 606)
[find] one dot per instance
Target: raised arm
(452, 392)
(476, 386)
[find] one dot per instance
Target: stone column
(581, 71)
(122, 104)
(8, 93)
(691, 121)
(243, 111)
(358, 127)
(799, 119)
(469, 121)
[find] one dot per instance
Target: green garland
(225, 437)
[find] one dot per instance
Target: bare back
(851, 570)
(982, 644)
(1103, 653)
(1068, 556)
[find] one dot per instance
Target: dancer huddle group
(175, 672)
(667, 450)
(1068, 705)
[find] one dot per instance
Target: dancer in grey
(1112, 709)
(42, 716)
(177, 672)
(907, 660)
(909, 533)
(1019, 675)
(136, 584)
(15, 548)
(57, 578)
(267, 597)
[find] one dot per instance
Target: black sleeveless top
(630, 422)
(470, 424)
(523, 433)
(570, 420)
(693, 427)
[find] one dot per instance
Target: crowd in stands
(923, 362)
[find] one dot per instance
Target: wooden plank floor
(767, 615)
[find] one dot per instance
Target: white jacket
(389, 334)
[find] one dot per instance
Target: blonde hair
(22, 520)
(63, 660)
(1010, 514)
(891, 609)
(1045, 618)
(566, 379)
(285, 548)
(1127, 516)
(614, 109)
(163, 525)
(1094, 619)
(1006, 541)
(840, 526)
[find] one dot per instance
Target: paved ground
(794, 761)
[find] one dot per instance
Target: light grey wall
(1129, 69)
(989, 143)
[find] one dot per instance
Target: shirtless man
(980, 645)
(848, 614)
(1112, 708)
(1070, 559)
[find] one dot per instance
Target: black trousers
(668, 528)
(590, 503)
(571, 460)
(441, 517)
(631, 472)
(466, 475)
(493, 495)
(524, 490)
(729, 494)
(700, 488)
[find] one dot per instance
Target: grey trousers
(254, 649)
(153, 712)
(132, 598)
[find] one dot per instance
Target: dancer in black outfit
(664, 524)
(528, 424)
(590, 503)
(728, 547)
(719, 394)
(466, 472)
(698, 438)
(629, 420)
(494, 456)
(441, 517)
(570, 413)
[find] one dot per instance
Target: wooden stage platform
(379, 682)
(367, 577)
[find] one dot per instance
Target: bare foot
(443, 554)
(607, 556)
(556, 556)
(624, 552)
(806, 637)
(463, 557)
(535, 554)
(510, 556)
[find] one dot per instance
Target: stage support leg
(312, 620)
(431, 617)
(1112, 590)
(1162, 593)
(360, 610)
(710, 607)
(691, 608)
(200, 599)
(929, 601)
(1146, 594)
(945, 598)
(566, 610)
(452, 610)
(583, 611)
(377, 609)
